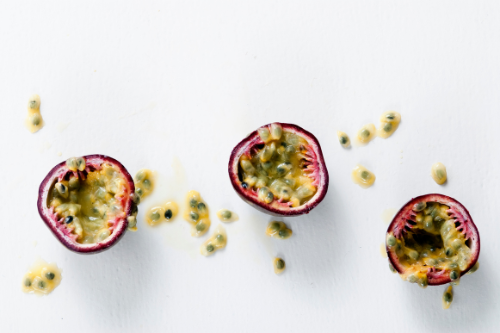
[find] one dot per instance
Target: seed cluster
(144, 183)
(216, 242)
(276, 171)
(41, 279)
(389, 123)
(166, 212)
(278, 229)
(85, 205)
(434, 241)
(34, 121)
(197, 214)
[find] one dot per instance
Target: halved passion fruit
(279, 169)
(432, 240)
(88, 202)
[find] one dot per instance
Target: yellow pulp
(216, 242)
(197, 214)
(362, 176)
(34, 121)
(144, 182)
(166, 212)
(389, 123)
(42, 278)
(90, 203)
(279, 265)
(278, 230)
(438, 173)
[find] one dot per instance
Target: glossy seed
(449, 252)
(412, 278)
(269, 197)
(200, 226)
(413, 255)
(210, 248)
(155, 216)
(41, 284)
(276, 131)
(68, 219)
(343, 140)
(139, 192)
(80, 163)
(140, 176)
(283, 233)
(193, 203)
(474, 268)
(264, 134)
(387, 127)
(244, 185)
(420, 206)
(168, 214)
(132, 221)
(290, 150)
(194, 216)
(454, 275)
(448, 297)
(390, 116)
(275, 226)
(146, 183)
(365, 175)
(74, 183)
(61, 188)
(219, 238)
(438, 219)
(365, 133)
(226, 214)
(201, 207)
(423, 282)
(36, 119)
(391, 240)
(280, 264)
(50, 276)
(27, 282)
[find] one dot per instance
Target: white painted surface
(151, 83)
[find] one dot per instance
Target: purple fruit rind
(47, 215)
(275, 208)
(457, 211)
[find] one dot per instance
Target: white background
(175, 85)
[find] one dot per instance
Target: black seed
(68, 219)
(244, 185)
(41, 284)
(134, 209)
(201, 206)
(194, 216)
(448, 297)
(168, 214)
(27, 283)
(50, 276)
(390, 116)
(343, 140)
(449, 252)
(193, 203)
(280, 264)
(283, 144)
(210, 248)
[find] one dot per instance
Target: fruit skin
(456, 211)
(282, 210)
(59, 171)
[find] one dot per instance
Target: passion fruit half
(88, 202)
(432, 240)
(280, 170)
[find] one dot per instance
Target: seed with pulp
(418, 207)
(226, 214)
(139, 192)
(200, 226)
(276, 131)
(387, 127)
(391, 240)
(36, 119)
(80, 163)
(155, 216)
(219, 238)
(365, 133)
(140, 176)
(280, 264)
(413, 255)
(27, 282)
(41, 284)
(194, 216)
(448, 297)
(210, 248)
(68, 219)
(201, 207)
(168, 214)
(50, 276)
(365, 175)
(454, 275)
(283, 233)
(275, 226)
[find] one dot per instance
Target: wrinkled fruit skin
(319, 166)
(457, 211)
(59, 172)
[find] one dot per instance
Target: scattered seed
(280, 264)
(194, 216)
(50, 276)
(210, 248)
(226, 214)
(200, 226)
(27, 282)
(168, 214)
(387, 127)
